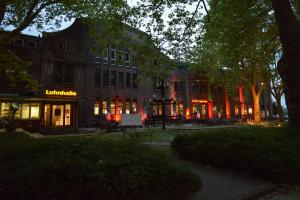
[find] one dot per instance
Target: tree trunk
(256, 102)
(289, 68)
(256, 108)
(280, 109)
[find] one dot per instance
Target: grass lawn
(267, 152)
(94, 167)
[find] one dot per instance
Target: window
(35, 111)
(96, 108)
(134, 80)
(64, 46)
(128, 80)
(175, 86)
(4, 109)
(62, 73)
(127, 106)
(31, 43)
(97, 77)
(112, 107)
(104, 107)
(97, 58)
(19, 42)
(236, 110)
(180, 86)
(127, 58)
(121, 79)
(105, 56)
(57, 73)
(120, 57)
(134, 106)
(113, 56)
(105, 77)
(113, 78)
(25, 111)
(68, 73)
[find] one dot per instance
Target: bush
(268, 152)
(89, 168)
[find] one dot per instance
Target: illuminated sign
(61, 93)
(199, 101)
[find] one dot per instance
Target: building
(78, 86)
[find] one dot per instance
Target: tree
(286, 13)
(20, 14)
(240, 45)
(276, 88)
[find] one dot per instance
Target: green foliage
(89, 168)
(239, 42)
(267, 152)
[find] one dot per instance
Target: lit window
(18, 113)
(96, 108)
(236, 110)
(181, 108)
(134, 106)
(4, 110)
(25, 111)
(127, 107)
(250, 111)
(35, 111)
(104, 107)
(112, 107)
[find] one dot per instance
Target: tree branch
(2, 10)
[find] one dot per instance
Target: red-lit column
(242, 101)
(227, 104)
(209, 105)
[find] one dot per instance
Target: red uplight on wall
(187, 113)
(209, 105)
(117, 117)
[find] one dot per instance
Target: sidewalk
(220, 184)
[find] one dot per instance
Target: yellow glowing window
(35, 111)
(4, 109)
(25, 111)
(104, 107)
(96, 108)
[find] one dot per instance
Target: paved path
(220, 184)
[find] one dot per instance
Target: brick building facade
(79, 86)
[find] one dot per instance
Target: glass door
(68, 115)
(57, 115)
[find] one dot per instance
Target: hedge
(89, 168)
(267, 152)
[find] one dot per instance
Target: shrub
(268, 152)
(89, 168)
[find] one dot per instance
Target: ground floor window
(115, 106)
(104, 107)
(96, 108)
(134, 106)
(236, 110)
(25, 110)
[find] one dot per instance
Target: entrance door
(57, 115)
